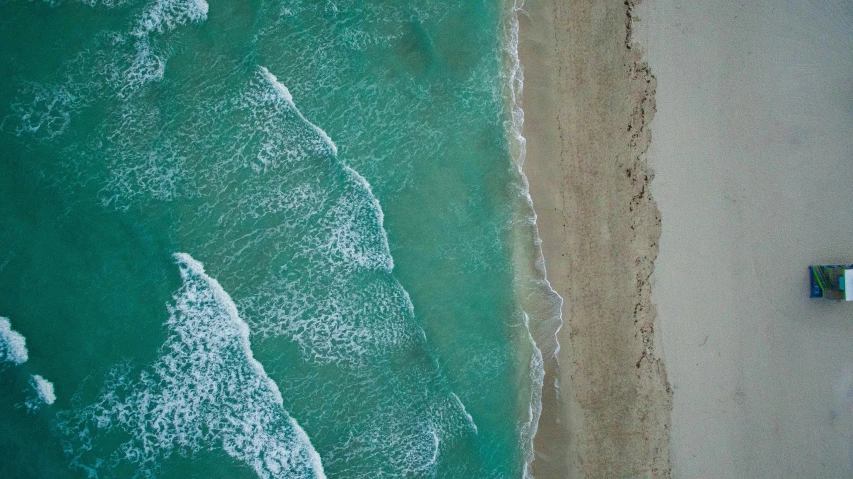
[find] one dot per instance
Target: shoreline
(534, 293)
(588, 100)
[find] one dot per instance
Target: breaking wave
(206, 390)
(13, 345)
(42, 395)
(285, 94)
(347, 238)
(299, 239)
(43, 388)
(336, 323)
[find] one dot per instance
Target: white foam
(160, 174)
(334, 323)
(13, 345)
(90, 3)
(436, 442)
(105, 3)
(121, 64)
(351, 236)
(43, 388)
(402, 444)
(207, 389)
(516, 83)
(145, 66)
(380, 216)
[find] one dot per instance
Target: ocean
(275, 239)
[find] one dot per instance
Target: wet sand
(588, 100)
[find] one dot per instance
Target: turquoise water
(265, 239)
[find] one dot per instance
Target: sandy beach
(588, 100)
(690, 347)
(753, 151)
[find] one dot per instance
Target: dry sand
(588, 99)
(753, 153)
(753, 162)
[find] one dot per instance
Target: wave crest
(13, 345)
(206, 389)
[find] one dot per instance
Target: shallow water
(264, 239)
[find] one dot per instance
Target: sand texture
(753, 154)
(588, 100)
(753, 162)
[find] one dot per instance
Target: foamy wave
(44, 112)
(388, 260)
(345, 237)
(191, 268)
(465, 412)
(355, 233)
(294, 210)
(165, 15)
(13, 349)
(285, 94)
(13, 345)
(542, 335)
(207, 389)
(43, 388)
(334, 322)
(161, 16)
(530, 427)
(42, 394)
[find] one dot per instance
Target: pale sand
(753, 153)
(588, 100)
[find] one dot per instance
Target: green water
(264, 239)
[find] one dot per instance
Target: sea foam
(147, 63)
(44, 111)
(163, 15)
(42, 394)
(122, 63)
(206, 390)
(13, 345)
